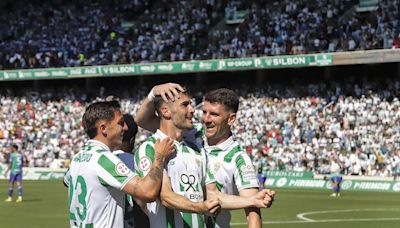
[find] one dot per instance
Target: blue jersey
(335, 178)
(16, 161)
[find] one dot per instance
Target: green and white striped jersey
(233, 170)
(96, 179)
(188, 173)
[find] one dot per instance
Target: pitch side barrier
(197, 66)
(276, 179)
(306, 180)
(37, 173)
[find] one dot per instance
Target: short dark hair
(15, 146)
(158, 101)
(103, 110)
(225, 97)
(132, 128)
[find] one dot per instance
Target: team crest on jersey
(121, 169)
(145, 164)
(198, 162)
(217, 166)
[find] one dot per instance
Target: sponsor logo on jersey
(248, 172)
(121, 169)
(145, 164)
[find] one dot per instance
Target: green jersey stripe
(229, 156)
(152, 139)
(239, 163)
(200, 220)
(102, 182)
(137, 160)
(109, 166)
(215, 152)
(187, 220)
(150, 152)
(170, 218)
(220, 186)
(185, 149)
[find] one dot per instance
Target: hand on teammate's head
(168, 91)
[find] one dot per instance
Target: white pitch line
(302, 215)
(303, 219)
(323, 221)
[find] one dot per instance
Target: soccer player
(262, 168)
(185, 172)
(335, 179)
(233, 168)
(15, 167)
(134, 215)
(196, 136)
(99, 180)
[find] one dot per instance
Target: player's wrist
(158, 157)
(151, 95)
(200, 208)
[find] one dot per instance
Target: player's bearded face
(182, 112)
(215, 120)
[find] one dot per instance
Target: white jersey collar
(98, 143)
(225, 145)
(161, 135)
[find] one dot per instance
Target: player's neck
(220, 140)
(104, 141)
(171, 131)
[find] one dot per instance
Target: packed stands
(57, 33)
(317, 126)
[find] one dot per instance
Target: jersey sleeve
(144, 158)
(244, 175)
(208, 171)
(111, 171)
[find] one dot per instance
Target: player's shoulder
(148, 144)
(93, 146)
(234, 152)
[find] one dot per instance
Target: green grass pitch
(45, 205)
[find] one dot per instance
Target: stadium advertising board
(352, 185)
(37, 173)
(276, 179)
(266, 62)
(170, 67)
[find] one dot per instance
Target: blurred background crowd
(317, 126)
(351, 125)
(57, 33)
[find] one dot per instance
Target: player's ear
(231, 118)
(102, 128)
(165, 111)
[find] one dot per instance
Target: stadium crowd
(133, 31)
(315, 127)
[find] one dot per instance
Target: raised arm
(145, 117)
(172, 200)
(148, 188)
